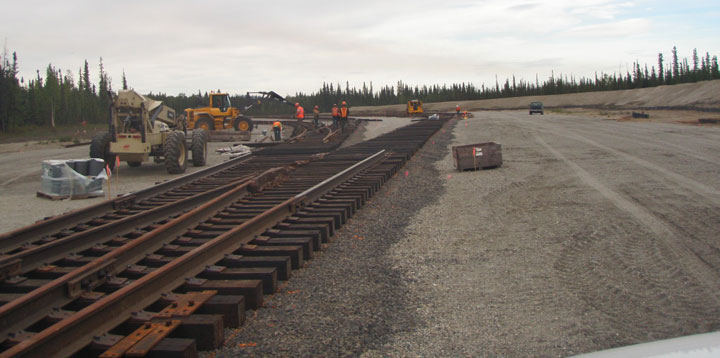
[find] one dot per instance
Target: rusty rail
(190, 260)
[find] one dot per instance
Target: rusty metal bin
(477, 156)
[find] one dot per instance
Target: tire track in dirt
(708, 137)
(687, 218)
(684, 256)
(647, 140)
(636, 283)
(705, 191)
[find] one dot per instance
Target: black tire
(100, 148)
(134, 164)
(175, 153)
(243, 124)
(199, 147)
(205, 123)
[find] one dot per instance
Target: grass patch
(45, 134)
(560, 111)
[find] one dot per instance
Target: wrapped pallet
(75, 178)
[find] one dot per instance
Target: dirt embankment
(701, 96)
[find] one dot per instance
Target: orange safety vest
(457, 108)
(335, 111)
(277, 124)
(300, 114)
(343, 112)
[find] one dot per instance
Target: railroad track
(163, 274)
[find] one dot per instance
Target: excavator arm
(261, 96)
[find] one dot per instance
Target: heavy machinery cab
(220, 105)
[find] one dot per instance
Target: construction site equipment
(477, 156)
(414, 106)
(141, 127)
(220, 114)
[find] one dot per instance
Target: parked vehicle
(536, 107)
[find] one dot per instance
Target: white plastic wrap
(68, 178)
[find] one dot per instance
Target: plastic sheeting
(74, 177)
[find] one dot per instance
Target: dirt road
(594, 234)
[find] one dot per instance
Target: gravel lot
(594, 234)
(20, 171)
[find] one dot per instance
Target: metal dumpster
(477, 156)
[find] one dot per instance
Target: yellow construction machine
(220, 114)
(414, 106)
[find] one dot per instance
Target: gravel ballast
(350, 298)
(590, 236)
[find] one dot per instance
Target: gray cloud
(237, 46)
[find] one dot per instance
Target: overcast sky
(289, 46)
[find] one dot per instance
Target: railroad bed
(162, 272)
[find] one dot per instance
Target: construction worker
(457, 110)
(299, 112)
(277, 129)
(335, 115)
(344, 112)
(316, 116)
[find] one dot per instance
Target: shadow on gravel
(350, 299)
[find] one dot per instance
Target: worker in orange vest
(335, 115)
(299, 112)
(457, 110)
(316, 116)
(344, 112)
(277, 129)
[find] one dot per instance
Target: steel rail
(56, 223)
(69, 335)
(30, 259)
(30, 308)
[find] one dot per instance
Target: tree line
(699, 68)
(61, 98)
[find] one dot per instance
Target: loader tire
(100, 148)
(205, 123)
(199, 147)
(175, 153)
(243, 124)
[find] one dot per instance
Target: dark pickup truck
(536, 107)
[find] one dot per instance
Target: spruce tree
(675, 66)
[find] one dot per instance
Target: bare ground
(594, 234)
(684, 103)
